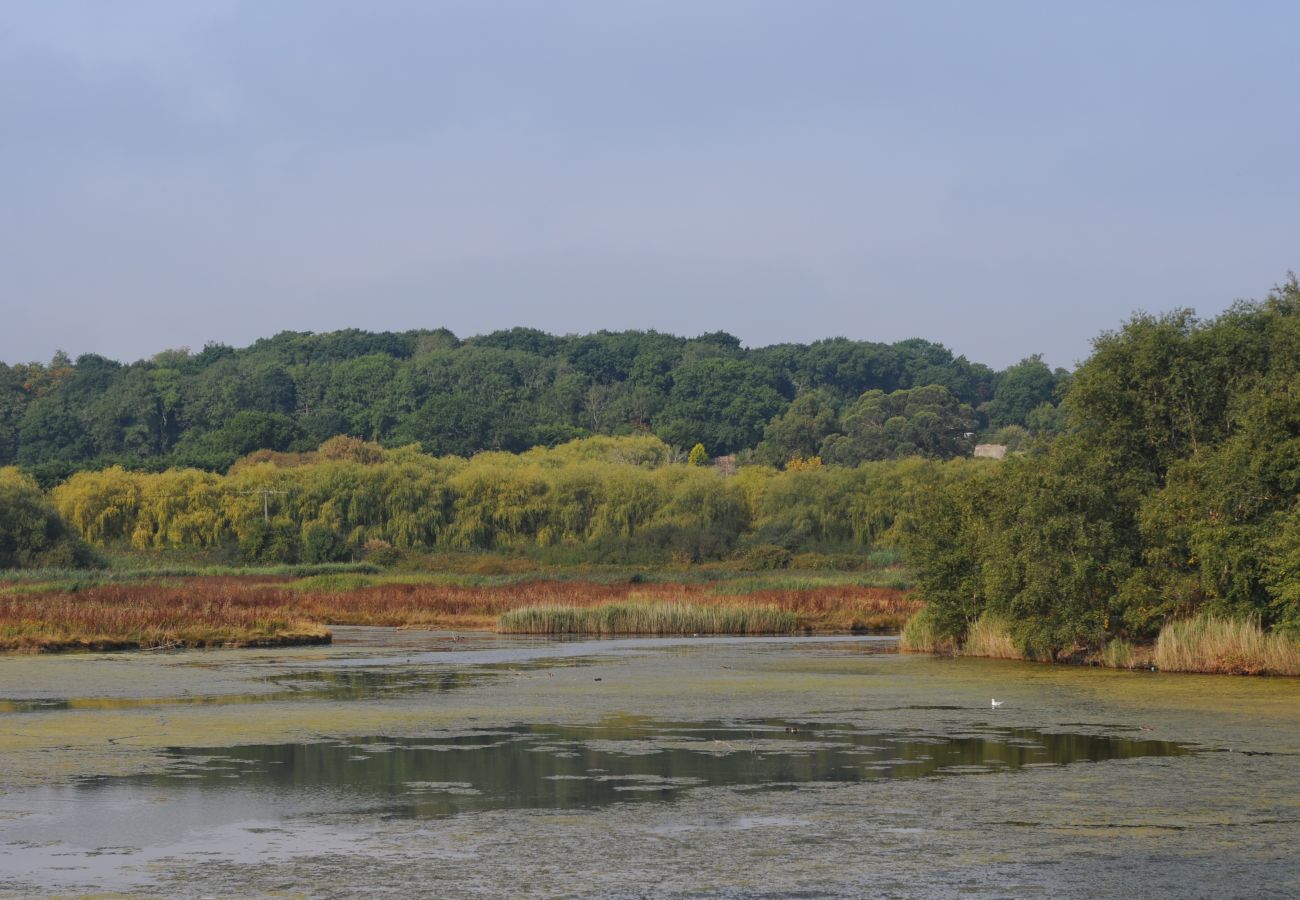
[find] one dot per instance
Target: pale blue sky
(1004, 177)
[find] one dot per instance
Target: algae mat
(478, 765)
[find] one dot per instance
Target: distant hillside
(510, 390)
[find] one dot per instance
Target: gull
(996, 703)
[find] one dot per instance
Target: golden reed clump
(1205, 644)
(1228, 646)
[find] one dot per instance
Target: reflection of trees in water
(545, 766)
(328, 685)
(363, 684)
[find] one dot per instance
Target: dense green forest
(849, 401)
(1174, 491)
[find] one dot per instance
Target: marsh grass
(1227, 646)
(991, 637)
(119, 617)
(1120, 654)
(649, 618)
(747, 583)
(214, 610)
(921, 635)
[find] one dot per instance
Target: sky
(1003, 177)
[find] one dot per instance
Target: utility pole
(266, 500)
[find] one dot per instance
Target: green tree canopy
(926, 421)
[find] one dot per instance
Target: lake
(401, 762)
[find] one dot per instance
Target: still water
(418, 763)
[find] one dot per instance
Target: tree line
(601, 499)
(511, 390)
(1165, 484)
(1174, 490)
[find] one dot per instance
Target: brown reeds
(113, 617)
(218, 611)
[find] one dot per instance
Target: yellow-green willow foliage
(405, 499)
(644, 450)
(102, 506)
(868, 505)
(601, 490)
(181, 508)
(15, 478)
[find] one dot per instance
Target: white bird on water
(996, 703)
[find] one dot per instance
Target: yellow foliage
(12, 476)
(595, 489)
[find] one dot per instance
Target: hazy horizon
(1003, 179)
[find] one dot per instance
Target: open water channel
(405, 763)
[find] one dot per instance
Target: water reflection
(324, 684)
(554, 766)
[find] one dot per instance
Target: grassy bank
(1206, 644)
(650, 618)
(266, 608)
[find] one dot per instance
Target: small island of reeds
(650, 618)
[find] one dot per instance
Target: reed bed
(1225, 646)
(991, 637)
(117, 617)
(233, 610)
(650, 618)
(1120, 654)
(921, 635)
(798, 581)
(454, 605)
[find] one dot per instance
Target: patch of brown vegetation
(212, 612)
(440, 605)
(244, 611)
